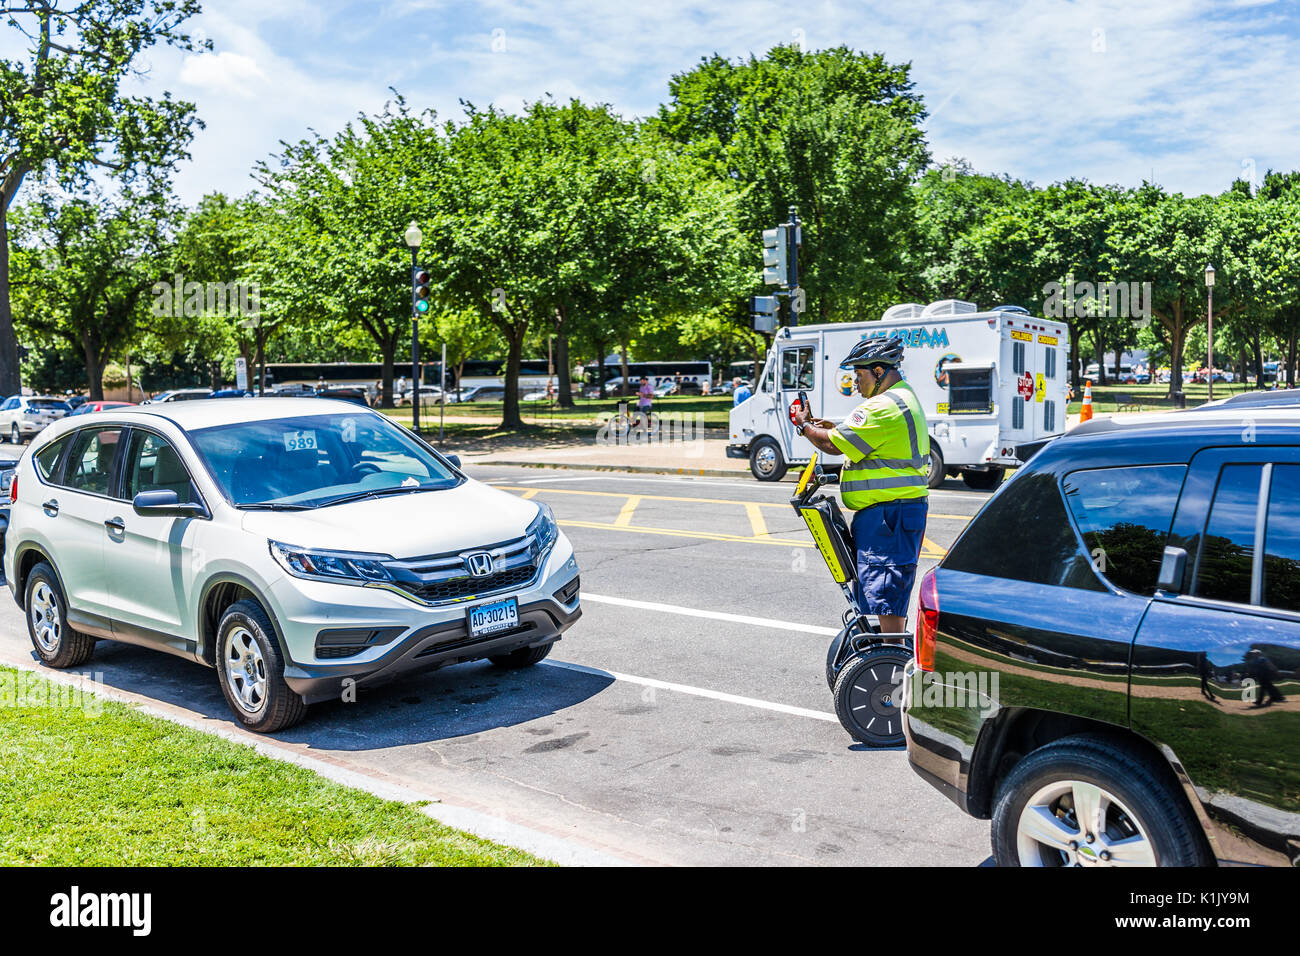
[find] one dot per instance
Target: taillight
(927, 622)
(13, 488)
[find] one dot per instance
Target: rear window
(1024, 534)
(49, 404)
(1124, 515)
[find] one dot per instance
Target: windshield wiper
(273, 506)
(377, 492)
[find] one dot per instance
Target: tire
(982, 480)
(867, 699)
(1137, 802)
(937, 470)
(524, 657)
(766, 462)
(15, 435)
(250, 670)
(56, 643)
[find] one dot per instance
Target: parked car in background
(299, 547)
(357, 396)
(231, 393)
(179, 395)
(429, 395)
(1268, 398)
(24, 416)
(7, 466)
(75, 401)
(1107, 661)
(86, 408)
(477, 393)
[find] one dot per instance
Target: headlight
(341, 566)
(544, 529)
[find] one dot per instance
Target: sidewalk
(703, 457)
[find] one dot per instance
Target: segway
(864, 668)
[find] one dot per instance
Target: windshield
(316, 460)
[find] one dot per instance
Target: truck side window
(1228, 551)
(1049, 362)
(1124, 516)
(797, 368)
(1282, 540)
(1018, 357)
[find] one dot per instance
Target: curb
(639, 469)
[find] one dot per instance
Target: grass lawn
(120, 788)
(715, 409)
(1152, 397)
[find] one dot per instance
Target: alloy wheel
(245, 670)
(1076, 823)
(45, 617)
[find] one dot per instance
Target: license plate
(494, 617)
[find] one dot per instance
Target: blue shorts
(888, 539)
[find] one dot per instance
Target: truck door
(798, 364)
(1023, 407)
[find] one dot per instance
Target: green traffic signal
(421, 305)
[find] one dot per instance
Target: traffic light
(776, 256)
(763, 310)
(420, 285)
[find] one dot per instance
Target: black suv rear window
(1124, 516)
(1024, 534)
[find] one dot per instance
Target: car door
(1216, 662)
(75, 513)
(153, 556)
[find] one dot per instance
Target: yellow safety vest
(887, 449)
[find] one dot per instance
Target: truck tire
(982, 480)
(1143, 819)
(937, 471)
(766, 461)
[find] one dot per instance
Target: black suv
(1108, 660)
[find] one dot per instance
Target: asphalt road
(651, 732)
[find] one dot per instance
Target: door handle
(115, 524)
(51, 507)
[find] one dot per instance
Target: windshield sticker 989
(299, 441)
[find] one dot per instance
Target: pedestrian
(1262, 671)
(645, 396)
(884, 479)
(742, 392)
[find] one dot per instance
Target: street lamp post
(1209, 322)
(414, 237)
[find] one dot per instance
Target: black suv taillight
(927, 622)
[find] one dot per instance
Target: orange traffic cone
(1085, 413)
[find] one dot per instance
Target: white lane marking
(712, 615)
(696, 691)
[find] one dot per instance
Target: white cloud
(223, 72)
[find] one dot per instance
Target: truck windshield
(317, 460)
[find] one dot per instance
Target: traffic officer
(885, 480)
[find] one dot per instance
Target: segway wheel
(868, 695)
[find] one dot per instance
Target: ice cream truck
(989, 380)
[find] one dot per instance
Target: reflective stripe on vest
(875, 480)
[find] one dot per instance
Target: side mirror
(165, 504)
(1172, 569)
(455, 460)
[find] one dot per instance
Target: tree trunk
(600, 365)
(387, 352)
(1076, 376)
(11, 382)
(259, 344)
(510, 417)
(563, 371)
(1177, 338)
(1099, 353)
(1259, 361)
(94, 368)
(1290, 359)
(625, 388)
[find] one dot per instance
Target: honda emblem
(480, 563)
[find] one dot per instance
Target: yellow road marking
(756, 522)
(705, 535)
(703, 501)
(530, 492)
(624, 518)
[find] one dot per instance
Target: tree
(836, 133)
(329, 248)
(64, 113)
(84, 268)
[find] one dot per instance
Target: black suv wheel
(1089, 801)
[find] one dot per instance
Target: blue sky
(1194, 93)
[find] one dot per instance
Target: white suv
(302, 547)
(22, 416)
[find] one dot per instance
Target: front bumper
(431, 647)
(737, 451)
